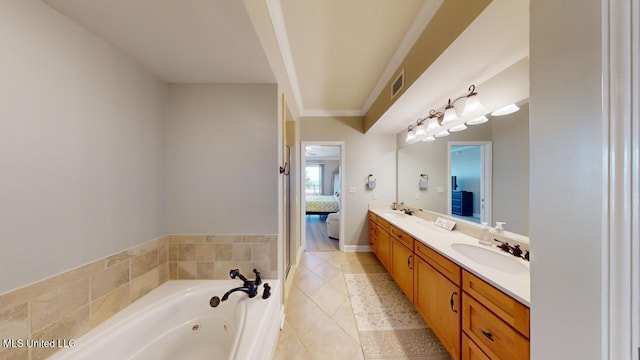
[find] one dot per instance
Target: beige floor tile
(338, 283)
(309, 283)
(329, 299)
(331, 342)
(289, 346)
(344, 318)
(311, 260)
(326, 271)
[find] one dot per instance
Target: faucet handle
(267, 291)
(258, 279)
(253, 290)
(516, 251)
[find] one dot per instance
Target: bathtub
(176, 321)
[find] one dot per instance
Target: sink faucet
(250, 287)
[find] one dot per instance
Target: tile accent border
(68, 305)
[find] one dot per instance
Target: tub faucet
(251, 290)
(249, 286)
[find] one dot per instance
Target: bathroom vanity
(475, 299)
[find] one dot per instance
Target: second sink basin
(491, 258)
(393, 215)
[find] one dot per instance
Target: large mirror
(429, 171)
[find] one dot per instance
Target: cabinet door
(383, 248)
(471, 351)
(372, 237)
(402, 267)
(438, 301)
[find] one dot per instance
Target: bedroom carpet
(388, 325)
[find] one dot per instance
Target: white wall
(365, 154)
(82, 139)
(566, 219)
(222, 159)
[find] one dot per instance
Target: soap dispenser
(500, 227)
(485, 236)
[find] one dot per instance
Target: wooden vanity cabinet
(380, 240)
(437, 297)
(402, 266)
(493, 321)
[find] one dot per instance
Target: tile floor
(319, 321)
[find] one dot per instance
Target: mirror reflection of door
(470, 174)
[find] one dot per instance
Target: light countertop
(516, 283)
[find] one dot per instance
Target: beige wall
(365, 154)
(223, 159)
(566, 180)
(82, 146)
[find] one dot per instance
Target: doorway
(321, 184)
(470, 186)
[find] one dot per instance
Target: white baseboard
(356, 248)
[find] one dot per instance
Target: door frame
(302, 207)
(486, 182)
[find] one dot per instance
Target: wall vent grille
(397, 84)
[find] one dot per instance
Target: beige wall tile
(224, 239)
(221, 269)
(187, 270)
(58, 303)
(110, 279)
(16, 353)
(173, 270)
(224, 252)
(141, 285)
(258, 238)
(71, 326)
(260, 252)
(187, 239)
(14, 323)
(186, 252)
(118, 258)
(143, 263)
(205, 270)
(15, 298)
(57, 281)
(163, 273)
(163, 253)
(109, 305)
(145, 247)
(205, 252)
(241, 252)
(173, 252)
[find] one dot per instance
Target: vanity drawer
(445, 266)
(496, 339)
(471, 351)
(372, 229)
(383, 224)
(372, 217)
(403, 237)
(504, 306)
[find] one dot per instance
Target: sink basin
(393, 215)
(431, 226)
(491, 258)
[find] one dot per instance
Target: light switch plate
(352, 189)
(375, 195)
(440, 189)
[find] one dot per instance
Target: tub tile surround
(210, 257)
(68, 305)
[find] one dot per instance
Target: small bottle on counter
(485, 236)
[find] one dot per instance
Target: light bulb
(479, 120)
(410, 136)
(442, 134)
(449, 114)
(432, 124)
(420, 130)
(509, 109)
(458, 128)
(472, 105)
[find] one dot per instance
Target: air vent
(397, 84)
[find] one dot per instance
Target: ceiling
(338, 55)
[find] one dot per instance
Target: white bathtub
(175, 321)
